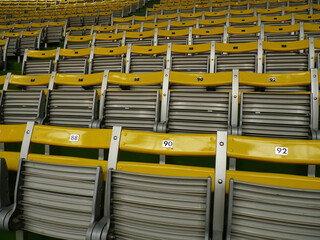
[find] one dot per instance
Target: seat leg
(20, 235)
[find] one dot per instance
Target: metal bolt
(166, 75)
(315, 98)
(314, 76)
(115, 138)
(235, 96)
(164, 94)
(221, 144)
(220, 181)
(235, 76)
(28, 131)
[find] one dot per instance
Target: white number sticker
(74, 138)
(281, 151)
(167, 143)
(272, 79)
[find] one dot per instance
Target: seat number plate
(167, 144)
(74, 138)
(281, 151)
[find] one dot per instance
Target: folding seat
(297, 3)
(242, 35)
(242, 13)
(75, 21)
(190, 58)
(104, 18)
(181, 25)
(314, 18)
(89, 19)
(244, 22)
(107, 59)
(104, 29)
(169, 10)
(311, 30)
(293, 56)
(38, 62)
(72, 100)
(30, 40)
(207, 35)
(123, 21)
(131, 28)
(20, 106)
(108, 40)
(164, 18)
(145, 38)
(13, 42)
(239, 5)
(243, 56)
(258, 4)
(203, 8)
(277, 20)
(60, 195)
(190, 106)
(279, 114)
(220, 6)
(284, 33)
(142, 20)
(153, 11)
(172, 36)
(76, 31)
(304, 9)
(273, 205)
(25, 20)
(131, 109)
(213, 23)
(55, 31)
(77, 42)
(38, 26)
(72, 61)
(21, 27)
(215, 15)
(277, 4)
(5, 28)
(153, 26)
(144, 59)
(187, 9)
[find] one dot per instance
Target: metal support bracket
(220, 185)
(114, 147)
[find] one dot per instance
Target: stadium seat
(207, 35)
(38, 62)
(47, 207)
(18, 106)
(144, 59)
(72, 61)
(145, 38)
(70, 102)
(107, 59)
(77, 42)
(55, 31)
(131, 109)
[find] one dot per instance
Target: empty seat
(75, 61)
(242, 35)
(142, 217)
(265, 211)
(144, 59)
(107, 59)
(244, 22)
(276, 115)
(277, 20)
(104, 18)
(54, 32)
(207, 35)
(19, 107)
(283, 33)
(30, 40)
(13, 43)
(38, 62)
(77, 42)
(164, 18)
(75, 21)
(287, 56)
(108, 40)
(189, 16)
(212, 23)
(145, 38)
(180, 25)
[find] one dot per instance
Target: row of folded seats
(188, 102)
(191, 35)
(260, 56)
(83, 198)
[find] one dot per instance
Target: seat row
(188, 103)
(80, 198)
(261, 56)
(242, 8)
